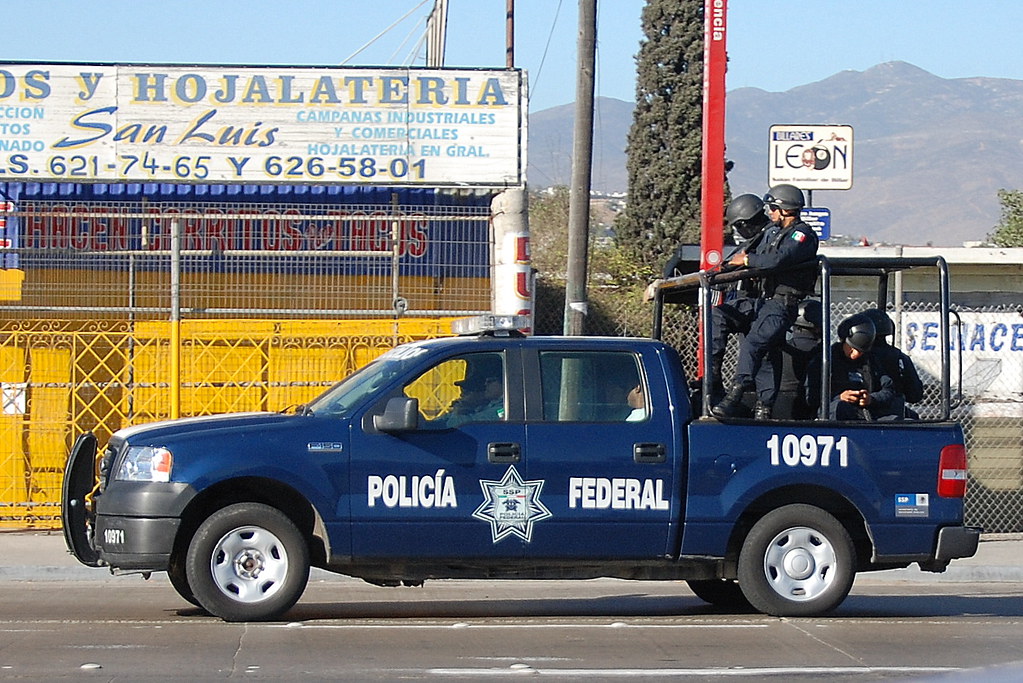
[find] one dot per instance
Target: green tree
(548, 233)
(1009, 231)
(615, 280)
(664, 144)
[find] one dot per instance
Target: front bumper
(127, 525)
(137, 522)
(135, 543)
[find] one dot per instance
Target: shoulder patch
(798, 236)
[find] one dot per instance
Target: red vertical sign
(713, 185)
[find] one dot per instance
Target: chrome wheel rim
(800, 564)
(249, 564)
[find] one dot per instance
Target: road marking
(520, 669)
(463, 625)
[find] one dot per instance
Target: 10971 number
(808, 450)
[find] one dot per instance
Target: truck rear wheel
(247, 562)
(797, 560)
(719, 592)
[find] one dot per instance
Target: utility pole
(576, 302)
(437, 34)
(509, 34)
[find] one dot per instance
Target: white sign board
(267, 125)
(811, 157)
(991, 347)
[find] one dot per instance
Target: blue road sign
(818, 218)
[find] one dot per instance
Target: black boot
(717, 387)
(762, 411)
(730, 404)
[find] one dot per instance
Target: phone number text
(198, 167)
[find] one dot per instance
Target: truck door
(602, 452)
(420, 493)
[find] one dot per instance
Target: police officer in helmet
(859, 388)
(786, 253)
(746, 218)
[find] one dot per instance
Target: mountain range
(930, 153)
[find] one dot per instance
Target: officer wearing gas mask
(740, 300)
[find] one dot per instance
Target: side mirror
(401, 414)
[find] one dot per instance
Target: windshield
(341, 399)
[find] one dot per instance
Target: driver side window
(467, 388)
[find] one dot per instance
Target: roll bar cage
(697, 287)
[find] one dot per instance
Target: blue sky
(772, 44)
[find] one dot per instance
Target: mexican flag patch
(798, 236)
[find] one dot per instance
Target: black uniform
(796, 355)
(905, 379)
(863, 373)
(739, 303)
(779, 253)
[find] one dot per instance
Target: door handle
(649, 452)
(503, 452)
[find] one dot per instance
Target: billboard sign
(267, 125)
(811, 157)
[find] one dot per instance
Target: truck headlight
(145, 463)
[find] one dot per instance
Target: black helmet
(882, 323)
(743, 208)
(811, 315)
(745, 215)
(858, 332)
(785, 196)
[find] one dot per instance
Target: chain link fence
(116, 313)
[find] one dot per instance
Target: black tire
(720, 593)
(179, 579)
(247, 562)
(797, 561)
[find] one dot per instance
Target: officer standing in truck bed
(790, 243)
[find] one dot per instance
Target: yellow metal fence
(62, 377)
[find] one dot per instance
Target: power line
(539, 69)
(377, 36)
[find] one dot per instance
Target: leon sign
(811, 157)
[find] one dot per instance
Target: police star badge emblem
(511, 506)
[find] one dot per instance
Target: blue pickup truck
(495, 455)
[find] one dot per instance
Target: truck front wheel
(179, 579)
(798, 560)
(247, 562)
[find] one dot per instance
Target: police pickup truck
(502, 456)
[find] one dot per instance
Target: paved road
(60, 620)
(128, 629)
